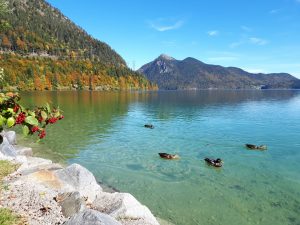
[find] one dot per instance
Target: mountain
(37, 27)
(169, 73)
(43, 49)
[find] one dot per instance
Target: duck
(214, 162)
(168, 156)
(149, 126)
(256, 147)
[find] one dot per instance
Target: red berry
(16, 108)
(20, 118)
(52, 120)
(42, 134)
(35, 129)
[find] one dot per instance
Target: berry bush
(33, 121)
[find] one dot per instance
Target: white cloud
(213, 33)
(159, 26)
(251, 40)
(247, 29)
(258, 41)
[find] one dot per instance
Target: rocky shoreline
(46, 193)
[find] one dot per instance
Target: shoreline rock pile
(46, 193)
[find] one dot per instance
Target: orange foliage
(6, 42)
(36, 73)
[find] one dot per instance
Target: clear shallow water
(105, 133)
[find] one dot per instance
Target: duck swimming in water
(149, 126)
(256, 147)
(168, 156)
(214, 162)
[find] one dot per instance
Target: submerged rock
(91, 217)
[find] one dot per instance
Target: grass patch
(7, 217)
(7, 168)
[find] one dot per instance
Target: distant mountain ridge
(190, 73)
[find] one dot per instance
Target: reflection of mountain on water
(88, 117)
(211, 97)
(170, 102)
(91, 117)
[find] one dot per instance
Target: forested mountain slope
(43, 49)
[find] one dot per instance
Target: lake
(105, 132)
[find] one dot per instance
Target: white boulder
(77, 178)
(8, 150)
(125, 208)
(91, 217)
(11, 137)
(26, 151)
(33, 162)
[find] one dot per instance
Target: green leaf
(44, 115)
(10, 110)
(1, 121)
(22, 108)
(31, 113)
(25, 130)
(10, 122)
(57, 114)
(32, 120)
(48, 107)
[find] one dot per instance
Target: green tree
(3, 7)
(3, 10)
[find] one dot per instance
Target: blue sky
(257, 35)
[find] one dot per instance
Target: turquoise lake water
(105, 133)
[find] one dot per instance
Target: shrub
(33, 121)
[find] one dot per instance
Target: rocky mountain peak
(191, 73)
(165, 57)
